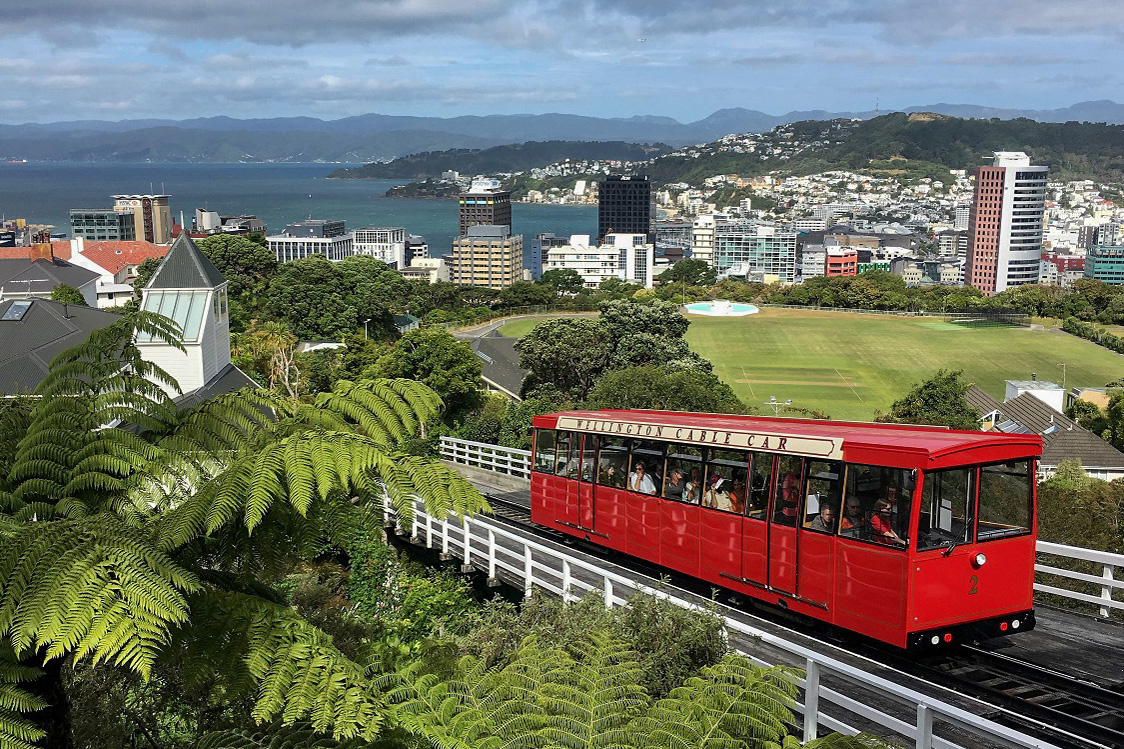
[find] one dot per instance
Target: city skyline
(108, 59)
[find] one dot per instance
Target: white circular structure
(721, 308)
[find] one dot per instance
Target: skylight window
(16, 310)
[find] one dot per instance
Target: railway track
(1066, 711)
(1080, 713)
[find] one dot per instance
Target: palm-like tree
(127, 524)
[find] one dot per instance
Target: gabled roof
(47, 328)
(229, 379)
(500, 363)
(115, 255)
(185, 267)
(1062, 437)
(43, 275)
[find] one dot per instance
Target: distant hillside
(372, 137)
(907, 143)
(517, 157)
(172, 144)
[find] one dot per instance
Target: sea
(278, 194)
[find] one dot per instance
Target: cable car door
(782, 523)
(585, 487)
(755, 524)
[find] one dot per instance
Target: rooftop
(113, 256)
(185, 267)
(1034, 384)
(31, 338)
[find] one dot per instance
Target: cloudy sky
(121, 59)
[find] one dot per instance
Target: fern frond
(302, 676)
(728, 705)
(16, 731)
(91, 588)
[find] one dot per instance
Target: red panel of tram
(680, 537)
(720, 544)
(899, 533)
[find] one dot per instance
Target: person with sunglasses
(880, 529)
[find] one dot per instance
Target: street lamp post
(365, 328)
(777, 405)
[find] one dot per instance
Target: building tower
(485, 204)
(626, 205)
(1006, 224)
(487, 256)
(151, 215)
(189, 289)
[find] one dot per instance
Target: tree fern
(478, 707)
(594, 702)
(126, 524)
(301, 675)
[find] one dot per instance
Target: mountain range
(378, 137)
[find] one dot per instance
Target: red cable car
(916, 536)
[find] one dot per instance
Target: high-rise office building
(1006, 224)
(626, 205)
(151, 215)
(487, 256)
(103, 224)
(485, 204)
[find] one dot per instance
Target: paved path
(467, 334)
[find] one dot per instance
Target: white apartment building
(286, 248)
(761, 248)
(624, 256)
(428, 269)
(387, 244)
(702, 239)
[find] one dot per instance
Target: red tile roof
(115, 255)
(14, 253)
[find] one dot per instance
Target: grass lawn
(851, 365)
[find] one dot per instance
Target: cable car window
(786, 503)
(683, 475)
(589, 451)
(568, 459)
(823, 491)
(883, 497)
(647, 462)
(725, 481)
(612, 462)
(1005, 500)
(544, 450)
(759, 474)
(947, 505)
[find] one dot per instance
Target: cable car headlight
(980, 559)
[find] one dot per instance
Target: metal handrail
(483, 542)
(517, 462)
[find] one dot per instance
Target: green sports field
(850, 365)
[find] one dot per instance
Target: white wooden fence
(515, 462)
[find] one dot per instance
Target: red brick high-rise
(1006, 224)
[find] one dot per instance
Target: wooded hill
(517, 157)
(914, 143)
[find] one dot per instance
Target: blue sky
(120, 59)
